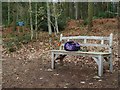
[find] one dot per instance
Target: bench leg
(61, 61)
(111, 64)
(100, 66)
(52, 61)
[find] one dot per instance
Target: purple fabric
(72, 46)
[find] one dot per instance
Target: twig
(25, 47)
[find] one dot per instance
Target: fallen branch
(25, 47)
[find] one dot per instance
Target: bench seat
(79, 52)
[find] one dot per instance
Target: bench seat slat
(80, 52)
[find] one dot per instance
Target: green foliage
(85, 22)
(15, 41)
(9, 45)
(95, 17)
(24, 39)
(12, 49)
(62, 21)
(106, 15)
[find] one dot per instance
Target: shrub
(106, 14)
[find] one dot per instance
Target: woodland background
(26, 49)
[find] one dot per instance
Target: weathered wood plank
(86, 37)
(95, 45)
(100, 66)
(79, 52)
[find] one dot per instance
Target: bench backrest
(85, 41)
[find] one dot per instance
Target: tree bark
(118, 15)
(76, 10)
(31, 24)
(66, 9)
(49, 24)
(90, 15)
(71, 10)
(14, 16)
(48, 18)
(55, 15)
(8, 12)
(36, 22)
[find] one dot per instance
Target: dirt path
(33, 74)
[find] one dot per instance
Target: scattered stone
(91, 83)
(56, 74)
(17, 78)
(108, 71)
(26, 70)
(65, 87)
(40, 69)
(19, 58)
(41, 43)
(82, 82)
(50, 70)
(96, 77)
(41, 78)
(67, 84)
(100, 80)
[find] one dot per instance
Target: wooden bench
(99, 57)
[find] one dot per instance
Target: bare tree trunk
(90, 15)
(71, 10)
(49, 24)
(66, 9)
(17, 13)
(118, 14)
(76, 10)
(31, 25)
(81, 13)
(55, 15)
(14, 16)
(48, 18)
(8, 12)
(36, 26)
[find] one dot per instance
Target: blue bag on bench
(72, 46)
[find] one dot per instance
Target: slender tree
(36, 21)
(55, 15)
(118, 14)
(66, 9)
(71, 10)
(81, 12)
(31, 24)
(14, 16)
(8, 12)
(49, 23)
(76, 10)
(48, 18)
(90, 15)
